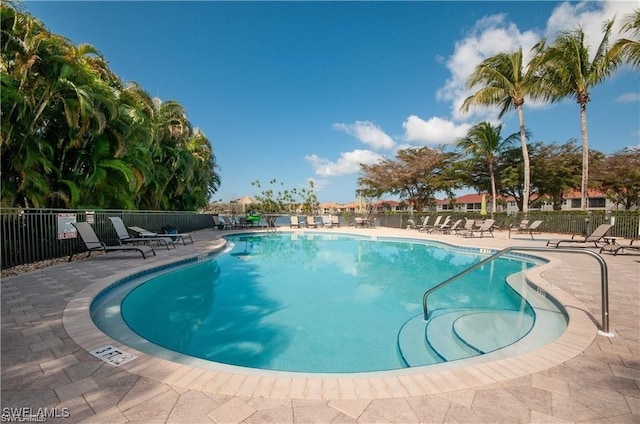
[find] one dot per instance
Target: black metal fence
(31, 235)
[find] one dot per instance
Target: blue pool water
(326, 303)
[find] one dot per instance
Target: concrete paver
(583, 377)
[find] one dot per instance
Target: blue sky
(308, 90)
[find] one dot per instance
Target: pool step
(413, 345)
(460, 333)
(443, 339)
(491, 330)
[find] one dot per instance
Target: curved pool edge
(431, 379)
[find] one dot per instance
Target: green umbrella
(483, 206)
(360, 205)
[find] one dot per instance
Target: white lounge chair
(326, 221)
(294, 222)
(441, 227)
(311, 222)
(425, 224)
(429, 228)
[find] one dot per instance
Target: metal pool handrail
(604, 279)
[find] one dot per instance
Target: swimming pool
(313, 302)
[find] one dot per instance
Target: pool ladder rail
(604, 278)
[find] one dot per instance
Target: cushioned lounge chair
(176, 237)
(93, 244)
(597, 236)
(125, 238)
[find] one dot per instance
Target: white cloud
(348, 163)
(494, 34)
(433, 131)
(628, 98)
(368, 133)
(318, 184)
(489, 36)
(588, 15)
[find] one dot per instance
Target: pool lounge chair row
(469, 229)
(223, 222)
(328, 221)
(93, 243)
(141, 243)
(525, 228)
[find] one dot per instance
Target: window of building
(597, 202)
(575, 203)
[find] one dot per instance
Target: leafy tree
(504, 84)
(72, 134)
(564, 69)
(27, 158)
(274, 200)
(416, 175)
(619, 177)
(511, 171)
(557, 170)
(484, 142)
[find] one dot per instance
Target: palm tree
(565, 70)
(503, 84)
(25, 154)
(628, 49)
(72, 134)
(484, 141)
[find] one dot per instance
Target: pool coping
(431, 379)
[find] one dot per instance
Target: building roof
(577, 194)
(472, 198)
(245, 200)
(329, 205)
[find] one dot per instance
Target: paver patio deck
(581, 377)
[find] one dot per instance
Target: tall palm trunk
(493, 187)
(584, 188)
(525, 158)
